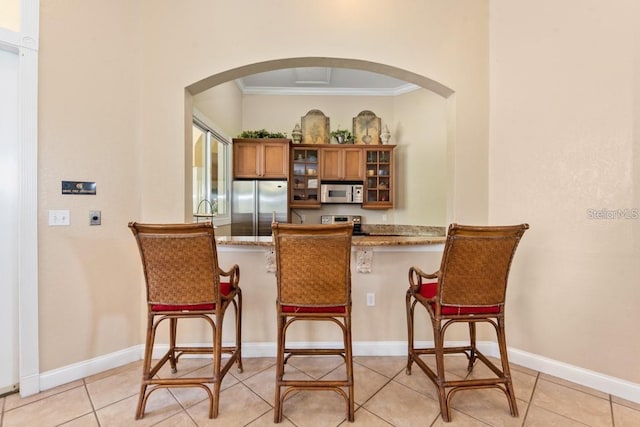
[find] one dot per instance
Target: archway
(357, 64)
(409, 208)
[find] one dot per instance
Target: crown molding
(325, 91)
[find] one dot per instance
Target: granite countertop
(403, 230)
(379, 235)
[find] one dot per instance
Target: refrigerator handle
(256, 204)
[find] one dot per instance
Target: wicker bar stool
(182, 277)
(470, 288)
(313, 271)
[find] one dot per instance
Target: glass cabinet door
(379, 178)
(305, 185)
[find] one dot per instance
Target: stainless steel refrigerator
(253, 204)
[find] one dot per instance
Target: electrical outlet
(384, 218)
(59, 217)
(303, 218)
(371, 299)
(95, 217)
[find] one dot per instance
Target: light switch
(59, 217)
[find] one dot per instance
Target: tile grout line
(271, 406)
(93, 408)
(530, 402)
(240, 381)
(613, 419)
(182, 406)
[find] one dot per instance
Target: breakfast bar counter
(357, 241)
(376, 235)
(380, 262)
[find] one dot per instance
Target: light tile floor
(385, 396)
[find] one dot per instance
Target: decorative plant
(343, 136)
(262, 133)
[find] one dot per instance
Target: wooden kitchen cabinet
(378, 185)
(266, 158)
(312, 164)
(341, 163)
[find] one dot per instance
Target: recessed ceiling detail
(323, 81)
(312, 76)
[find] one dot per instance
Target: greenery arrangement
(262, 133)
(342, 136)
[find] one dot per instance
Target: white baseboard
(79, 370)
(605, 383)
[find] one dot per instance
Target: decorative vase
(385, 135)
(296, 134)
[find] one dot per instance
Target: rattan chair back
(179, 262)
(476, 263)
(313, 264)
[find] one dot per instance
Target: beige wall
(420, 129)
(564, 137)
(222, 105)
(89, 112)
(281, 113)
(563, 96)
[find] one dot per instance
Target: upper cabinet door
(353, 165)
(330, 168)
(260, 158)
(341, 164)
(275, 159)
(245, 160)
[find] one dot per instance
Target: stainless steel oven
(338, 219)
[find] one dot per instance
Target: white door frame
(26, 43)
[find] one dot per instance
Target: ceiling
(323, 81)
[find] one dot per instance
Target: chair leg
(349, 365)
(277, 412)
(141, 399)
(173, 328)
(502, 344)
(238, 311)
(146, 366)
(217, 362)
(410, 342)
(472, 344)
(438, 342)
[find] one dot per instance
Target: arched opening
(356, 64)
(421, 124)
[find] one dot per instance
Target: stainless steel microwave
(341, 193)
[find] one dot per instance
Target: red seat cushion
(429, 290)
(225, 289)
(297, 309)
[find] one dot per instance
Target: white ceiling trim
(325, 91)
